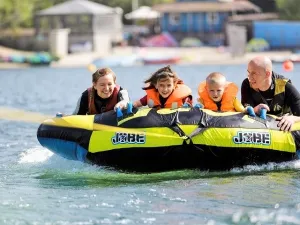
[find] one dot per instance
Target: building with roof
(86, 20)
(204, 19)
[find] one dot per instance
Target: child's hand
(186, 105)
(198, 105)
(188, 102)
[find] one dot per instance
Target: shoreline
(189, 56)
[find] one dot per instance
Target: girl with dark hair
(165, 90)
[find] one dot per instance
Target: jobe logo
(128, 138)
(260, 138)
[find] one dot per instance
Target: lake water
(38, 187)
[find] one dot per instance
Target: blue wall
(279, 34)
(193, 22)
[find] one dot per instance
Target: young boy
(219, 95)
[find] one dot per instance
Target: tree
(19, 13)
(288, 9)
(13, 13)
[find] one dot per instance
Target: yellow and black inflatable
(166, 139)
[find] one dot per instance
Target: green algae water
(38, 187)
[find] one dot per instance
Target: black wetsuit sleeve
(246, 96)
(292, 98)
(82, 104)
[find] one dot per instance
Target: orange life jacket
(110, 104)
(227, 101)
(175, 100)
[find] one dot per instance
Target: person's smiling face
(105, 86)
(257, 77)
(165, 87)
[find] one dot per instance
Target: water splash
(266, 216)
(44, 159)
(35, 155)
(268, 167)
(51, 168)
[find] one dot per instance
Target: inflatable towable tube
(166, 139)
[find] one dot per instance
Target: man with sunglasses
(265, 89)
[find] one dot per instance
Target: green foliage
(19, 13)
(16, 13)
(288, 9)
(257, 45)
(13, 12)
